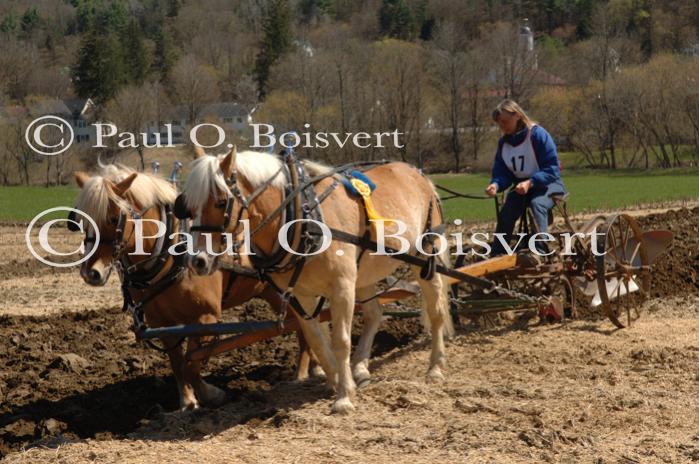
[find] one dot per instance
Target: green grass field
(590, 190)
(23, 203)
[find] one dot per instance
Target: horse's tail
(443, 305)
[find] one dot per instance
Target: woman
(527, 158)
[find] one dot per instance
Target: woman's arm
(501, 175)
(546, 156)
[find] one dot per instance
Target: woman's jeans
(540, 203)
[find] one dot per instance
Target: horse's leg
(208, 394)
(306, 362)
(303, 360)
(315, 368)
(318, 341)
(342, 304)
(177, 361)
(437, 308)
(305, 355)
(371, 314)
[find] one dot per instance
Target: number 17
(521, 163)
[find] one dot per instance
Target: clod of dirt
(50, 428)
(19, 429)
(69, 362)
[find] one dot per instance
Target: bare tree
(513, 63)
(19, 60)
(193, 85)
(450, 78)
(398, 64)
(16, 147)
(132, 109)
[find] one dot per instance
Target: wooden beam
(481, 268)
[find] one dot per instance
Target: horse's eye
(114, 221)
(221, 204)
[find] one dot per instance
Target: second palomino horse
(222, 192)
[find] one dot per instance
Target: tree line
(432, 69)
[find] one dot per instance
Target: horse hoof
(317, 371)
(343, 407)
(435, 374)
(189, 407)
(363, 382)
(362, 378)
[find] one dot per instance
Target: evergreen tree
(311, 10)
(277, 41)
(173, 8)
(107, 15)
(585, 9)
(99, 72)
(165, 52)
(30, 21)
(136, 59)
(396, 19)
(9, 24)
(426, 21)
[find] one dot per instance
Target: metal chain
(500, 290)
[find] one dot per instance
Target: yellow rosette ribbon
(365, 192)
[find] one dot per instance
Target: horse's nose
(199, 263)
(94, 277)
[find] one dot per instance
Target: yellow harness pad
(365, 192)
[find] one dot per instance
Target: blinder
(72, 224)
(181, 211)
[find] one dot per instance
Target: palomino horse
(223, 191)
(111, 199)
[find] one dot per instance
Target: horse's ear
(198, 152)
(121, 188)
(228, 162)
(81, 178)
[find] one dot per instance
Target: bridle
(233, 194)
(119, 243)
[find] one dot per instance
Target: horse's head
(102, 200)
(113, 200)
(214, 198)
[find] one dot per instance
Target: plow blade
(657, 242)
(615, 289)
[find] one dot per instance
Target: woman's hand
(523, 187)
(492, 190)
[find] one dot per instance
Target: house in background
(79, 112)
(230, 116)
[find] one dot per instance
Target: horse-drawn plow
(605, 264)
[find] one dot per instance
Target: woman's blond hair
(512, 107)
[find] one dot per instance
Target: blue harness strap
(357, 175)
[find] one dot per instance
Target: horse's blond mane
(146, 189)
(206, 177)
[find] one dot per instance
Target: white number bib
(521, 160)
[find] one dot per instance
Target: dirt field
(76, 388)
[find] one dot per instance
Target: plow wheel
(623, 273)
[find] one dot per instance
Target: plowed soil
(75, 387)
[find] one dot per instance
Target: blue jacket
(546, 156)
